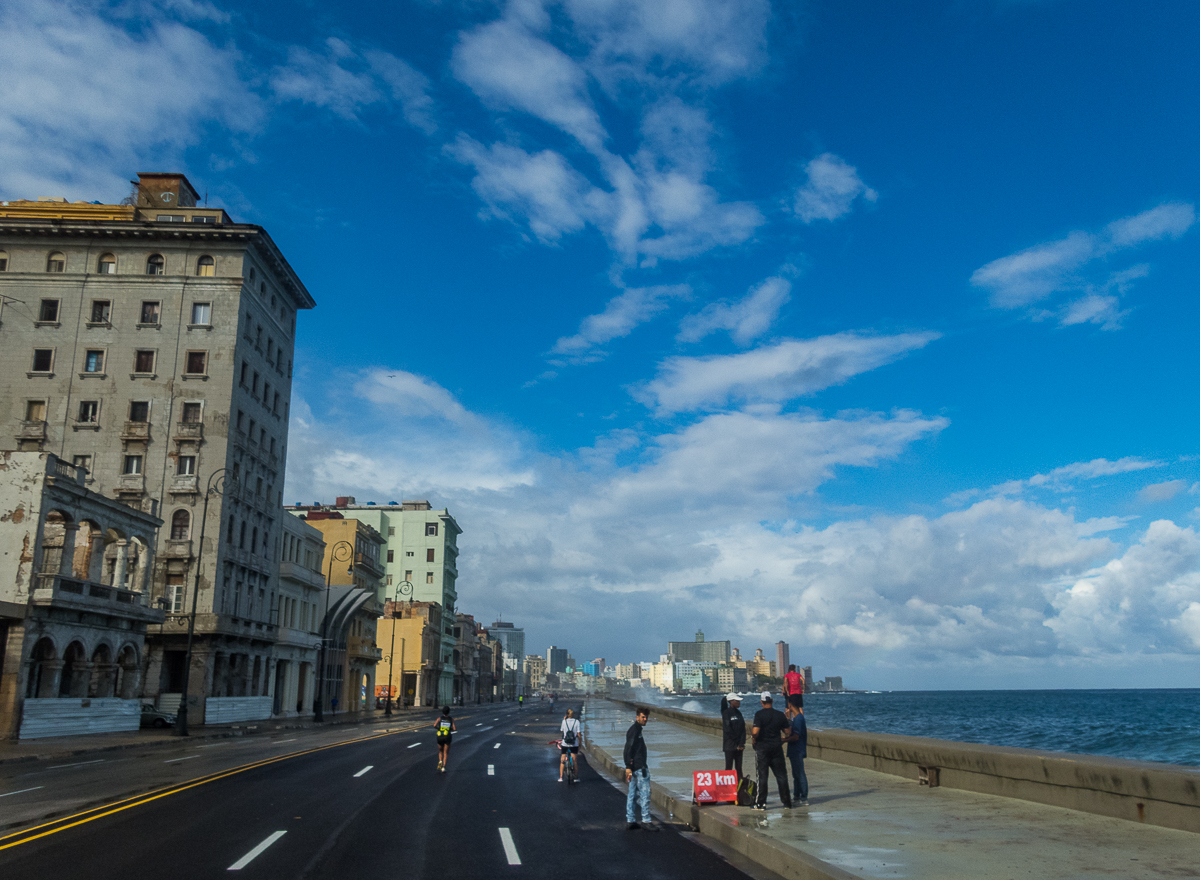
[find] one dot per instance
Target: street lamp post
(404, 588)
(319, 714)
(217, 487)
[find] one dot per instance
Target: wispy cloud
(831, 189)
(1164, 491)
(746, 319)
(1018, 280)
(620, 316)
(786, 370)
(1063, 479)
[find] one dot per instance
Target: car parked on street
(152, 717)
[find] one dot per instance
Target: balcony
(293, 571)
(136, 431)
(192, 432)
(32, 431)
(372, 566)
(184, 484)
(130, 484)
(61, 591)
(178, 549)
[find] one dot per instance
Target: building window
(202, 314)
(3, 261)
(35, 410)
(83, 461)
(197, 363)
(203, 218)
(186, 466)
(241, 417)
(108, 264)
(206, 267)
(391, 557)
(431, 529)
(48, 311)
(150, 311)
(89, 411)
(242, 536)
(191, 413)
(143, 361)
(181, 525)
(429, 577)
(169, 218)
(56, 262)
(93, 360)
(275, 405)
(132, 465)
(175, 593)
(391, 531)
(155, 265)
(252, 274)
(408, 574)
(139, 411)
(429, 555)
(389, 580)
(43, 360)
(101, 308)
(408, 553)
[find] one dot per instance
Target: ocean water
(1144, 725)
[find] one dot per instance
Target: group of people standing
(771, 731)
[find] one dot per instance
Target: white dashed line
(256, 852)
(414, 745)
(80, 764)
(22, 791)
(480, 724)
(281, 741)
(364, 771)
(496, 746)
(510, 848)
(176, 760)
(491, 769)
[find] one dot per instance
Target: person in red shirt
(793, 688)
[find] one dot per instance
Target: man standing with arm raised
(637, 773)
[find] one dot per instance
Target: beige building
(301, 604)
(411, 635)
(74, 601)
(151, 344)
(535, 671)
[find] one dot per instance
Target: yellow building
(410, 637)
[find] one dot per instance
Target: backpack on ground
(746, 791)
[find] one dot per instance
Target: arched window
(252, 274)
(3, 261)
(56, 262)
(181, 525)
(155, 265)
(206, 266)
(262, 288)
(108, 265)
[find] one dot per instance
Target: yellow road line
(83, 817)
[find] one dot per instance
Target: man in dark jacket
(733, 733)
(637, 773)
(797, 751)
(770, 726)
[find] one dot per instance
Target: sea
(1143, 725)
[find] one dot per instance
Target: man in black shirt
(770, 725)
(733, 733)
(637, 773)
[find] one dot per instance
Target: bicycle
(571, 772)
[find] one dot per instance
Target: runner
(572, 738)
(445, 729)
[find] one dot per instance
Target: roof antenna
(206, 198)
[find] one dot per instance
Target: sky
(865, 326)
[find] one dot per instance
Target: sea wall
(1156, 794)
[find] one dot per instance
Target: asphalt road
(373, 806)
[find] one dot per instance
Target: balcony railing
(362, 560)
(185, 484)
(131, 483)
(178, 549)
(189, 431)
(64, 591)
(35, 430)
(136, 431)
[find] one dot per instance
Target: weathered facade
(151, 343)
(74, 601)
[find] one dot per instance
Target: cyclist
(572, 739)
(445, 729)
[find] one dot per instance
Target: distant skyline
(866, 327)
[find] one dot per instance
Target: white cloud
(1063, 479)
(831, 189)
(345, 81)
(786, 370)
(1164, 491)
(620, 316)
(85, 97)
(746, 319)
(1018, 280)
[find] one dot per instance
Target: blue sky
(870, 327)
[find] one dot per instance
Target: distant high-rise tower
(781, 657)
(556, 660)
(808, 679)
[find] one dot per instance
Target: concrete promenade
(866, 824)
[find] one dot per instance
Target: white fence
(224, 710)
(69, 716)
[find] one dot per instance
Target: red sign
(714, 786)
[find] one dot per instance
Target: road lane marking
(414, 745)
(255, 853)
(491, 769)
(64, 823)
(80, 764)
(22, 791)
(364, 771)
(280, 741)
(480, 724)
(510, 848)
(214, 745)
(176, 760)
(496, 746)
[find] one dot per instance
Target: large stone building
(301, 605)
(699, 651)
(74, 605)
(420, 548)
(151, 343)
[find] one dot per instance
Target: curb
(787, 861)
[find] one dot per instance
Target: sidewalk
(59, 747)
(863, 824)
